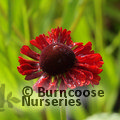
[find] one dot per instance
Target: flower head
(61, 61)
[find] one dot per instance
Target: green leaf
(9, 95)
(10, 105)
(1, 110)
(15, 100)
(69, 12)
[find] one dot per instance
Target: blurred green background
(97, 21)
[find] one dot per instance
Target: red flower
(61, 61)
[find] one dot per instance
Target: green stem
(119, 61)
(15, 29)
(99, 24)
(77, 20)
(63, 113)
(26, 25)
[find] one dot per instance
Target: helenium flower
(61, 61)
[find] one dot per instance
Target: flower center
(56, 59)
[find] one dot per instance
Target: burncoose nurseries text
(57, 97)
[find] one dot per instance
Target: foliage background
(97, 21)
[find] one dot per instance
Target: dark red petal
(31, 62)
(24, 69)
(33, 75)
(30, 53)
(27, 72)
(69, 82)
(78, 76)
(88, 74)
(92, 68)
(62, 86)
(69, 42)
(40, 42)
(53, 84)
(58, 35)
(87, 82)
(92, 59)
(89, 77)
(100, 63)
(34, 42)
(63, 36)
(54, 35)
(77, 46)
(28, 67)
(95, 80)
(86, 49)
(44, 81)
(49, 40)
(77, 50)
